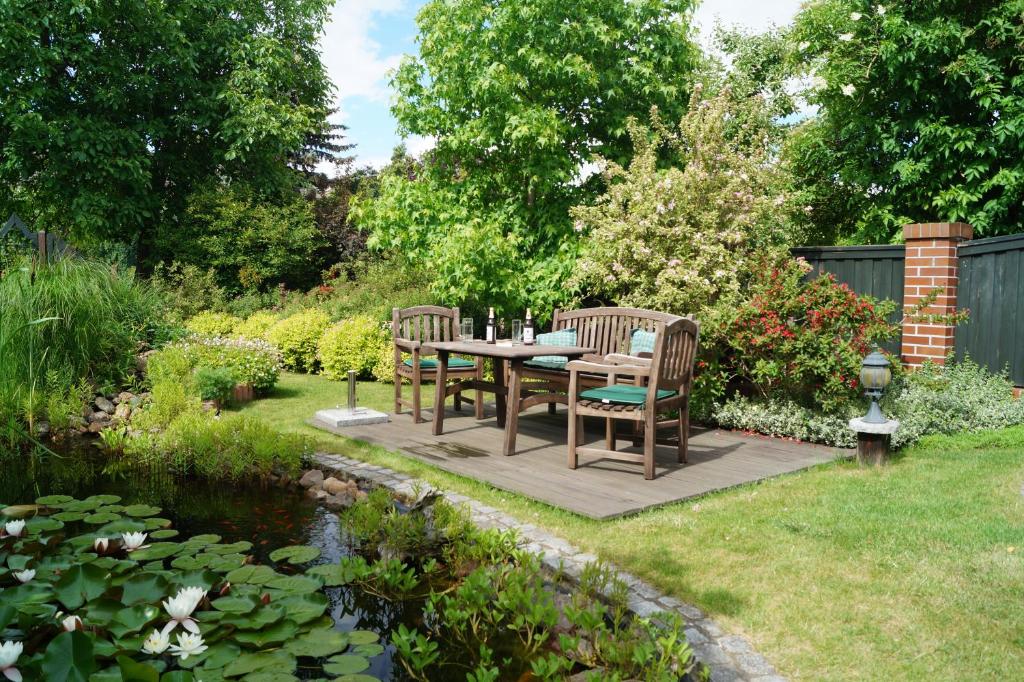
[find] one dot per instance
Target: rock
(98, 418)
(314, 478)
(96, 427)
(334, 486)
(104, 405)
(124, 397)
(123, 411)
(135, 401)
(285, 480)
(142, 360)
(361, 495)
(352, 486)
(338, 502)
(316, 494)
(42, 428)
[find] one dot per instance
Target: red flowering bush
(801, 339)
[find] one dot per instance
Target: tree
(519, 96)
(921, 114)
(113, 112)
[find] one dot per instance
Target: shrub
(250, 361)
(209, 323)
(384, 367)
(187, 290)
(784, 419)
(256, 325)
(372, 288)
(297, 337)
(354, 343)
(215, 383)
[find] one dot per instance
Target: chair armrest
(407, 345)
(620, 359)
(606, 369)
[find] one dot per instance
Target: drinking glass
(466, 329)
(517, 331)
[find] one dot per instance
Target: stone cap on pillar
(959, 231)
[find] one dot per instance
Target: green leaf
(144, 587)
(220, 654)
(157, 550)
(140, 510)
(233, 548)
(177, 676)
(245, 604)
(346, 664)
(103, 499)
(248, 663)
(54, 500)
(273, 635)
(267, 676)
(368, 650)
(253, 575)
(133, 671)
(357, 637)
(333, 575)
(295, 584)
(99, 518)
(163, 534)
(295, 554)
(133, 619)
(69, 658)
(79, 584)
(305, 607)
(318, 643)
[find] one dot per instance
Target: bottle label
(528, 335)
(490, 333)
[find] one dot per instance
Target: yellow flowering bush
(209, 323)
(256, 325)
(297, 338)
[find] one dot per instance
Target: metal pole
(351, 390)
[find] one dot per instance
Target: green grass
(912, 571)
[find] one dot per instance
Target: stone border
(728, 657)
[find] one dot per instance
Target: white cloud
(757, 16)
(353, 59)
(418, 144)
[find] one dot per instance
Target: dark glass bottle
(492, 327)
(528, 330)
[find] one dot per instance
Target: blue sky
(365, 40)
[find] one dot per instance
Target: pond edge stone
(727, 657)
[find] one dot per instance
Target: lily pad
(253, 575)
(157, 550)
(164, 534)
(318, 643)
(273, 635)
(54, 500)
(80, 584)
(295, 584)
(103, 499)
(266, 676)
(155, 522)
(333, 575)
(69, 516)
(144, 587)
(250, 663)
(357, 637)
(220, 654)
(141, 510)
(295, 554)
(233, 548)
(368, 650)
(99, 518)
(304, 607)
(236, 604)
(346, 664)
(260, 618)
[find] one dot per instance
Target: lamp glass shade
(875, 372)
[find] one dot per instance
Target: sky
(365, 40)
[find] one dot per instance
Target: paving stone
(755, 664)
(735, 644)
(643, 608)
(711, 655)
(694, 636)
(724, 674)
(709, 627)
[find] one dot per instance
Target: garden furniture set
(614, 363)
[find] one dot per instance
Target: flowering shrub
(256, 325)
(355, 343)
(802, 340)
(785, 419)
(209, 323)
(297, 337)
(251, 361)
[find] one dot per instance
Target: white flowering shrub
(251, 361)
(784, 419)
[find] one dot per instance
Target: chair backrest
(609, 329)
(425, 323)
(675, 350)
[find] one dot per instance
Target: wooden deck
(600, 489)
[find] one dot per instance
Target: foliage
(210, 323)
(331, 208)
(250, 361)
(354, 343)
(297, 337)
(783, 418)
(506, 166)
(105, 578)
(384, 367)
(685, 239)
(106, 138)
(215, 383)
(880, 145)
(187, 290)
(256, 325)
(373, 288)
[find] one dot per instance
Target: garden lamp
(875, 375)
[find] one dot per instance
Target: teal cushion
(641, 342)
(563, 337)
(623, 394)
(453, 363)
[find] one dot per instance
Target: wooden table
(507, 398)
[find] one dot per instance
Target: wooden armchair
(669, 377)
(411, 329)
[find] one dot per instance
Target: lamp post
(873, 429)
(875, 375)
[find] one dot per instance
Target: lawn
(912, 571)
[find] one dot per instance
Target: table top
(498, 350)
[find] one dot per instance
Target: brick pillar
(931, 263)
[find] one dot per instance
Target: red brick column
(931, 263)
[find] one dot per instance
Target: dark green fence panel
(991, 288)
(873, 270)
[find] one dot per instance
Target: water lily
(100, 545)
(848, 89)
(9, 652)
(26, 575)
(188, 645)
(133, 541)
(156, 643)
(180, 609)
(72, 623)
(15, 528)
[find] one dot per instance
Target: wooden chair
(669, 378)
(411, 329)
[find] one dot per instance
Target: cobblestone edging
(728, 657)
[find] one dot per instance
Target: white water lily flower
(26, 575)
(848, 89)
(100, 544)
(15, 528)
(856, 16)
(72, 623)
(156, 643)
(846, 37)
(133, 541)
(180, 609)
(188, 645)
(9, 652)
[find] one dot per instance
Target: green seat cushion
(453, 363)
(563, 337)
(641, 341)
(622, 394)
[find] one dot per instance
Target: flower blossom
(803, 46)
(71, 623)
(180, 609)
(856, 16)
(9, 652)
(100, 545)
(881, 10)
(848, 89)
(133, 541)
(15, 528)
(156, 643)
(846, 37)
(188, 645)
(26, 575)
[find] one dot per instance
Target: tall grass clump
(65, 324)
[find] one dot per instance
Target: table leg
(440, 386)
(512, 420)
(499, 390)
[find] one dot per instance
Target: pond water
(268, 517)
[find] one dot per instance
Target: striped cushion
(453, 363)
(622, 394)
(563, 337)
(641, 341)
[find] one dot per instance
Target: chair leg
(398, 394)
(684, 432)
(478, 404)
(575, 431)
(551, 408)
(650, 437)
(609, 433)
(458, 402)
(416, 400)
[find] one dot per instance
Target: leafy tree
(921, 114)
(520, 95)
(112, 112)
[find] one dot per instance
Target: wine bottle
(528, 335)
(491, 326)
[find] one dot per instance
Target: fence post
(931, 263)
